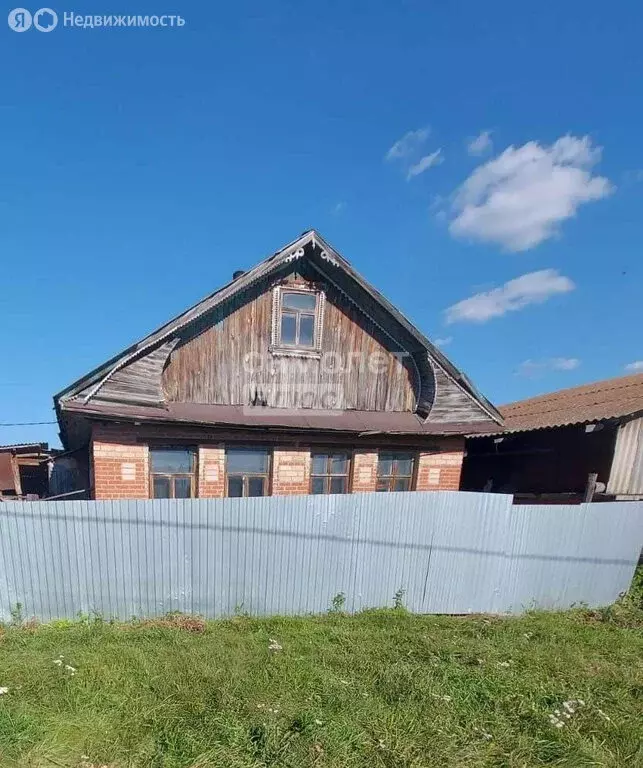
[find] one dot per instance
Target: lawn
(383, 688)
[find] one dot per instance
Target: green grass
(383, 688)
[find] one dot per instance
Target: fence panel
(448, 552)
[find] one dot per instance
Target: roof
(22, 447)
(602, 400)
(96, 378)
(350, 421)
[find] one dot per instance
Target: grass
(383, 688)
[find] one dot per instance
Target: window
(248, 471)
(297, 320)
(329, 473)
(172, 473)
(395, 471)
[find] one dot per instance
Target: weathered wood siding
(452, 404)
(138, 382)
(230, 362)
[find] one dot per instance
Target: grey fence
(448, 552)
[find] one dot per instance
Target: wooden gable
(222, 351)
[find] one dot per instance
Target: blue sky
(140, 167)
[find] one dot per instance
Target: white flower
(274, 646)
(69, 668)
(504, 663)
(4, 690)
(58, 662)
(318, 722)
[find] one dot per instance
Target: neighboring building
(553, 445)
(296, 377)
(24, 471)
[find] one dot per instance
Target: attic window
(297, 320)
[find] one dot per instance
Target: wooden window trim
(329, 450)
(277, 347)
(170, 476)
(246, 475)
(394, 475)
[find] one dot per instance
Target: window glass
(256, 486)
(288, 329)
(235, 487)
(306, 330)
(329, 472)
(319, 463)
(247, 460)
(338, 485)
(182, 487)
(395, 471)
(339, 464)
(303, 301)
(161, 487)
(318, 485)
(171, 461)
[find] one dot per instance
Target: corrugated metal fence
(449, 552)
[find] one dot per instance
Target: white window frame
(276, 347)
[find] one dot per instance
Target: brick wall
(364, 471)
(211, 469)
(440, 471)
(290, 471)
(120, 464)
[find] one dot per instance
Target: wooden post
(590, 488)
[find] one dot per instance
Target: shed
(565, 446)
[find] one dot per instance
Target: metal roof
(599, 401)
(357, 422)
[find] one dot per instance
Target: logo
(44, 20)
(19, 19)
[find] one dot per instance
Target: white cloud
(410, 144)
(520, 198)
(531, 288)
(532, 368)
(481, 144)
(443, 342)
(424, 163)
(635, 367)
(338, 208)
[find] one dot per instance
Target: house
(296, 377)
(24, 471)
(565, 446)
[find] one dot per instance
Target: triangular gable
(446, 394)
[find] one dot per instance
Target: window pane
(306, 330)
(338, 485)
(288, 329)
(235, 487)
(319, 463)
(240, 460)
(256, 486)
(402, 484)
(339, 464)
(182, 487)
(172, 460)
(305, 301)
(385, 464)
(404, 464)
(318, 485)
(382, 485)
(161, 488)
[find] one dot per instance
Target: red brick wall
(211, 469)
(290, 471)
(364, 471)
(440, 471)
(119, 464)
(121, 467)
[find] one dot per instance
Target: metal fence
(445, 552)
